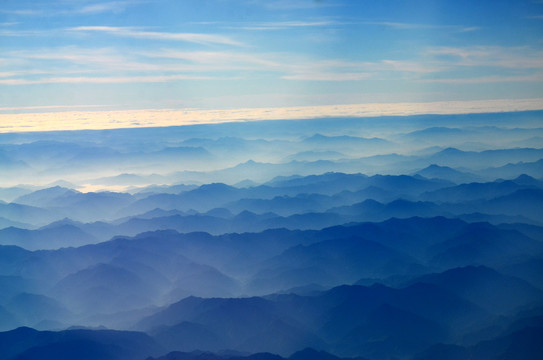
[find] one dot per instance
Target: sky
(99, 56)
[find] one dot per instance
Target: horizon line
(74, 120)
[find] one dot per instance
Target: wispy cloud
(112, 6)
(52, 107)
(295, 4)
(23, 12)
(69, 61)
(340, 70)
(139, 34)
(488, 79)
(491, 56)
(283, 25)
(107, 80)
(323, 76)
(7, 74)
(212, 57)
(74, 9)
(22, 33)
(415, 26)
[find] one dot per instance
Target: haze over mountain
(402, 239)
(271, 180)
(210, 244)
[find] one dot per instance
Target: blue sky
(221, 54)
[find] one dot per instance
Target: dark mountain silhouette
(371, 210)
(305, 354)
(331, 263)
(527, 269)
(524, 344)
(481, 243)
(525, 202)
(480, 284)
(348, 318)
(27, 343)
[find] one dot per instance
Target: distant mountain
(129, 179)
(44, 197)
(165, 189)
(306, 354)
(7, 320)
(79, 206)
(5, 223)
(202, 198)
(473, 191)
(456, 158)
(514, 169)
(53, 237)
(371, 210)
(31, 309)
(527, 269)
(14, 285)
(480, 284)
(525, 202)
(436, 131)
(344, 143)
(329, 263)
(524, 344)
(481, 243)
(104, 288)
(446, 173)
(315, 156)
(346, 318)
(11, 193)
(26, 214)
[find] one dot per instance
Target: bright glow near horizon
(95, 120)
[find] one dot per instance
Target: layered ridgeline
(410, 238)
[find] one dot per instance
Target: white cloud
(324, 76)
(283, 25)
(72, 8)
(112, 6)
(211, 57)
(415, 26)
(490, 56)
(295, 4)
(488, 79)
(18, 33)
(106, 80)
(78, 120)
(23, 12)
(139, 34)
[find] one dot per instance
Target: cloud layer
(74, 120)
